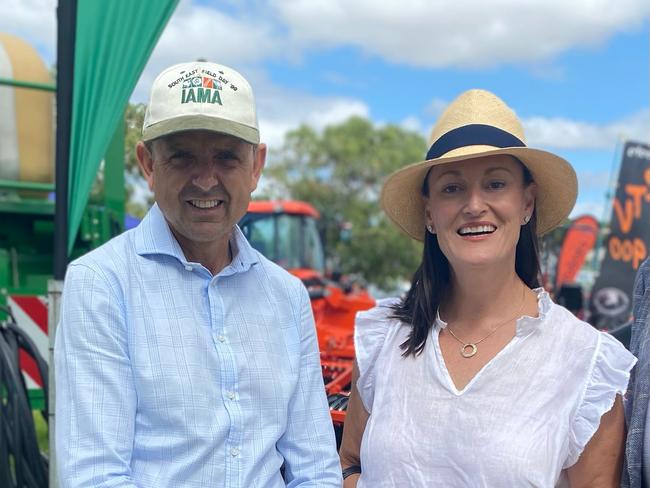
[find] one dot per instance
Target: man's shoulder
(280, 282)
(644, 272)
(109, 256)
(274, 272)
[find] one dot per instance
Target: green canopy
(114, 39)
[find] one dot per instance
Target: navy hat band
(472, 135)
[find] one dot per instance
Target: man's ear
(145, 161)
(259, 159)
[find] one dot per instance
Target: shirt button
(188, 268)
(221, 338)
(231, 395)
(234, 452)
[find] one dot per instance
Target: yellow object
(26, 115)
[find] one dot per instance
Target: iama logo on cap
(201, 89)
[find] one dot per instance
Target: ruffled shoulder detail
(609, 377)
(370, 330)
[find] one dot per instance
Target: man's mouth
(205, 203)
(476, 230)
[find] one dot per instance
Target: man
(636, 472)
(183, 357)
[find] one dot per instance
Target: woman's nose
(475, 204)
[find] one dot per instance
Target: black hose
(22, 465)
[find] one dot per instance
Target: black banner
(628, 241)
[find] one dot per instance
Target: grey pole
(54, 290)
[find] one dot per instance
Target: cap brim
(201, 122)
(557, 188)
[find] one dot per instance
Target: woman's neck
(483, 296)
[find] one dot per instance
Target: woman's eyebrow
(451, 172)
(497, 168)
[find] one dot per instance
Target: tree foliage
(340, 172)
(133, 118)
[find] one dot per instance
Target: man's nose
(206, 177)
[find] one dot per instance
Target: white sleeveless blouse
(524, 418)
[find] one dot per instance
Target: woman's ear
(530, 194)
(428, 221)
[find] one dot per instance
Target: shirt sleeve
(609, 377)
(640, 306)
(308, 444)
(95, 395)
(370, 331)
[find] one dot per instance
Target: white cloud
(201, 32)
(412, 123)
(34, 21)
(469, 33)
(425, 33)
(283, 110)
(571, 134)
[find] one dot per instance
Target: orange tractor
(286, 232)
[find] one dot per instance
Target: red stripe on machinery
(34, 308)
(28, 365)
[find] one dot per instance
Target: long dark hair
(431, 280)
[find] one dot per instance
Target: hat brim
(201, 122)
(557, 187)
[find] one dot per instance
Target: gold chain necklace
(469, 349)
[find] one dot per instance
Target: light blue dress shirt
(168, 376)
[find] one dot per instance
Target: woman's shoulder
(558, 320)
(382, 311)
(579, 338)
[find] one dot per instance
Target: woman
(477, 378)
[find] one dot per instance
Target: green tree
(133, 118)
(340, 172)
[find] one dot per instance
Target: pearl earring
(430, 229)
(526, 219)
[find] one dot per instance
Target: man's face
(202, 182)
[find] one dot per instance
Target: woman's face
(476, 208)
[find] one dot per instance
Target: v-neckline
(445, 372)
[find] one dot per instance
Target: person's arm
(308, 444)
(356, 418)
(95, 394)
(600, 463)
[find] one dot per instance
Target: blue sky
(576, 73)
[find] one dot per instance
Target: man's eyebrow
(176, 146)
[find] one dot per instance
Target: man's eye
(227, 157)
(181, 158)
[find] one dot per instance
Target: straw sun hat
(476, 124)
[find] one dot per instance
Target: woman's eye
(453, 188)
(496, 185)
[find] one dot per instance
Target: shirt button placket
(224, 348)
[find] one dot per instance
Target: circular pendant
(468, 350)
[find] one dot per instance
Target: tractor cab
(286, 232)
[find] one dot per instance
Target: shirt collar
(153, 236)
(525, 324)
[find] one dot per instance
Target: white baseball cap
(201, 96)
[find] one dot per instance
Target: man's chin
(203, 233)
